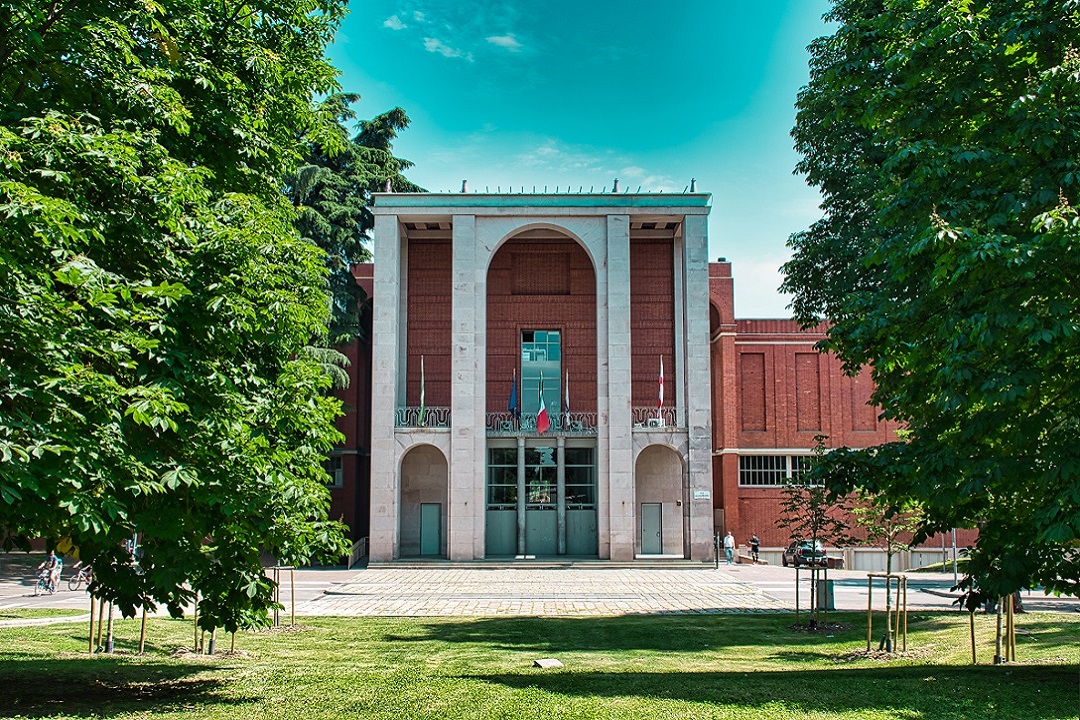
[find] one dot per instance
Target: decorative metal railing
(649, 418)
(432, 417)
(509, 424)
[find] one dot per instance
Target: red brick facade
(772, 392)
(541, 283)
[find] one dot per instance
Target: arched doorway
(660, 508)
(423, 503)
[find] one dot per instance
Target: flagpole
(423, 410)
(660, 403)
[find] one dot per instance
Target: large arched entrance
(423, 503)
(660, 504)
(541, 401)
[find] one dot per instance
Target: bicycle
(83, 574)
(43, 585)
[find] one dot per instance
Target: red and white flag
(542, 421)
(660, 404)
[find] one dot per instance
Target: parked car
(804, 552)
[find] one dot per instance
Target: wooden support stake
(101, 621)
(998, 659)
(142, 632)
(905, 613)
(108, 632)
(796, 594)
(869, 611)
(92, 599)
(232, 645)
(195, 641)
(971, 617)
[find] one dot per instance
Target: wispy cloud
(568, 163)
(461, 31)
(507, 42)
(435, 45)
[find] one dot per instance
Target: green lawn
(34, 613)
(667, 666)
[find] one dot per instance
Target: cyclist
(55, 565)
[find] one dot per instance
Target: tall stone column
(465, 538)
(620, 451)
(698, 386)
(388, 329)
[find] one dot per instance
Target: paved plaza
(577, 589)
(542, 591)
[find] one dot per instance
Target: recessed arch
(660, 506)
(528, 228)
(423, 503)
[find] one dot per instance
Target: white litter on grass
(547, 663)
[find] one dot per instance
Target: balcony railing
(433, 417)
(507, 424)
(649, 418)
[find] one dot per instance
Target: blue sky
(575, 94)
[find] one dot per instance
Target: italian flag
(542, 421)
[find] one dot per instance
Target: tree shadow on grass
(661, 633)
(104, 687)
(940, 692)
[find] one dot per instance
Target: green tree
(891, 526)
(155, 298)
(813, 512)
(332, 192)
(943, 136)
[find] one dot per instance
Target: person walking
(755, 545)
(729, 547)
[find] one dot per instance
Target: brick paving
(572, 591)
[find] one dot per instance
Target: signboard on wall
(702, 495)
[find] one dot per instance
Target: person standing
(755, 545)
(729, 547)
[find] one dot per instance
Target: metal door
(651, 529)
(430, 528)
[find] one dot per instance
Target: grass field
(673, 666)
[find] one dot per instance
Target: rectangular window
(502, 479)
(771, 470)
(541, 355)
(580, 479)
(335, 472)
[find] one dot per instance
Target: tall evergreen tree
(332, 192)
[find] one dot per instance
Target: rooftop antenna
(486, 189)
(693, 184)
(615, 187)
(639, 188)
(590, 188)
(685, 189)
(464, 186)
(534, 189)
(498, 188)
(579, 189)
(389, 186)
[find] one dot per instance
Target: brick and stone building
(482, 304)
